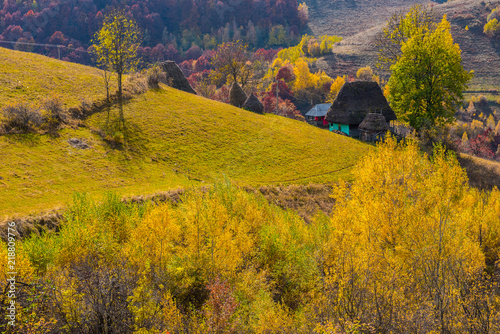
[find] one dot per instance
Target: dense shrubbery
(492, 26)
(408, 247)
(476, 130)
(23, 118)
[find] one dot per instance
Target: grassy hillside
(348, 17)
(29, 77)
(174, 139)
(483, 174)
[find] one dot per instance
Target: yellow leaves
(70, 298)
(201, 235)
(272, 318)
(170, 314)
(491, 28)
(321, 79)
(366, 73)
(303, 77)
(142, 304)
(297, 57)
(407, 221)
(465, 138)
(15, 260)
(116, 43)
(335, 88)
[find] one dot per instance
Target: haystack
(237, 96)
(174, 74)
(373, 127)
(355, 100)
(253, 104)
(374, 123)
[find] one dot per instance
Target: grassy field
(173, 139)
(28, 77)
(482, 173)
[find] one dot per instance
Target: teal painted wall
(344, 128)
(341, 127)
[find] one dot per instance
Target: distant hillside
(478, 52)
(172, 27)
(29, 77)
(175, 139)
(349, 17)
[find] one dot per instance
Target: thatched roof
(374, 122)
(355, 100)
(237, 96)
(175, 75)
(253, 104)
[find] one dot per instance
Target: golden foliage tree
(335, 87)
(406, 238)
(428, 78)
(115, 46)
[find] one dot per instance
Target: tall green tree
(428, 79)
(115, 46)
(399, 28)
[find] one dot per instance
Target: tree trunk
(120, 99)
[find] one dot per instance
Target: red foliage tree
(58, 38)
(480, 146)
(284, 108)
(285, 73)
(172, 53)
(193, 52)
(187, 67)
(220, 307)
(284, 92)
(222, 94)
(202, 64)
(265, 55)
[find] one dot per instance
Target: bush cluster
(24, 118)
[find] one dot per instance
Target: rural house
(316, 116)
(354, 101)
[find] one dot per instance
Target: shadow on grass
(123, 135)
(28, 139)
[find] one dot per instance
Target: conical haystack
(237, 96)
(374, 123)
(373, 127)
(253, 104)
(174, 74)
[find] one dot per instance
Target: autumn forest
(159, 173)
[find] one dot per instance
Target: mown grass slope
(210, 138)
(173, 139)
(28, 77)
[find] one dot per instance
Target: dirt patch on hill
(306, 200)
